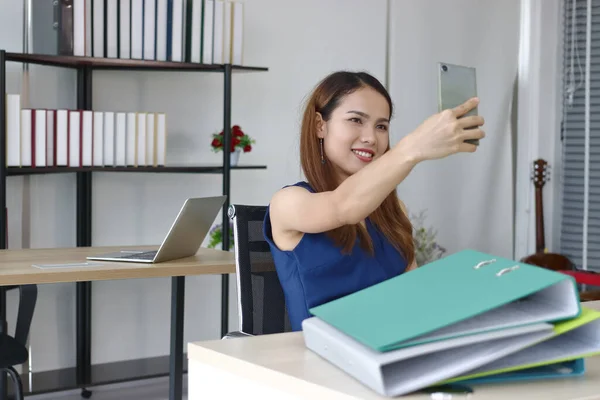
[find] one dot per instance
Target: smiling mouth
(363, 155)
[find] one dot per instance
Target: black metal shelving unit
(85, 374)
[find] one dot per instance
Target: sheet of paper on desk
(68, 265)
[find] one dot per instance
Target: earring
(322, 152)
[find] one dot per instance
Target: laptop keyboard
(148, 255)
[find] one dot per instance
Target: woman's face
(357, 132)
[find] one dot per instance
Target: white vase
(234, 157)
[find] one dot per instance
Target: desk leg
(84, 332)
(176, 356)
(3, 329)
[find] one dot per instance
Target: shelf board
(101, 63)
(101, 374)
(205, 169)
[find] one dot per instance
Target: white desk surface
(280, 366)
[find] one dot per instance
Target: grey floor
(155, 389)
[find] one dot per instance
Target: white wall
(539, 112)
(468, 197)
(301, 43)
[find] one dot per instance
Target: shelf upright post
(3, 134)
(226, 192)
(3, 216)
(84, 238)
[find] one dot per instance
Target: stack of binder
(469, 317)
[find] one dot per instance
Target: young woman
(344, 228)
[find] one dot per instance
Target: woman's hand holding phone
(445, 133)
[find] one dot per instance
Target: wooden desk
(16, 269)
(16, 265)
(281, 367)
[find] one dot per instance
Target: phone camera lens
(444, 68)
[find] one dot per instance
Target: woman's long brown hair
(388, 217)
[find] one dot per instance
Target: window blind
(580, 227)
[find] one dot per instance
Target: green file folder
(465, 293)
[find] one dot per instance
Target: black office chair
(261, 303)
(13, 350)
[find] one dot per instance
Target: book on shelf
(197, 31)
(40, 137)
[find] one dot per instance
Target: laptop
(184, 237)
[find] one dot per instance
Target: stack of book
(83, 138)
(470, 317)
(199, 31)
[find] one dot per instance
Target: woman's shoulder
(290, 194)
(286, 195)
(286, 205)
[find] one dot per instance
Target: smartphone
(456, 84)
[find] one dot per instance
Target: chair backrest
(261, 303)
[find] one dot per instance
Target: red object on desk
(584, 277)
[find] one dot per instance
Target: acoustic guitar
(542, 258)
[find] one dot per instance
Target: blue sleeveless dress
(317, 271)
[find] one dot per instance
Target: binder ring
(507, 270)
(481, 264)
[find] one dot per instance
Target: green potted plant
(240, 142)
(426, 247)
(216, 236)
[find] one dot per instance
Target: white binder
(406, 370)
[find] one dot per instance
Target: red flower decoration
(239, 140)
